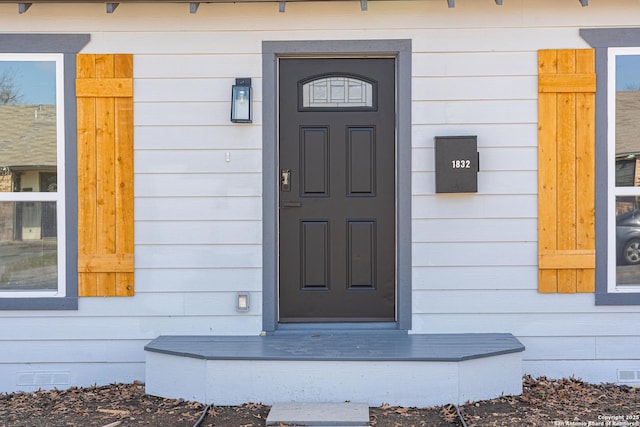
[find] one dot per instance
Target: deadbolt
(285, 180)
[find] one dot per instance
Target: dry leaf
(114, 411)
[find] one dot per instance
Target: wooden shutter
(104, 90)
(566, 159)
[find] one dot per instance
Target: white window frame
(58, 196)
(614, 192)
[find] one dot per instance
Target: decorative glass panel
(337, 92)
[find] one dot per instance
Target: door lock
(285, 180)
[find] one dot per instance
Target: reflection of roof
(627, 122)
(27, 135)
(627, 156)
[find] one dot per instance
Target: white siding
(198, 181)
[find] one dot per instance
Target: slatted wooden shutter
(104, 90)
(566, 159)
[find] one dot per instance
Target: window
(32, 184)
(624, 166)
(617, 165)
(337, 93)
(38, 192)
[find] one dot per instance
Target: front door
(337, 168)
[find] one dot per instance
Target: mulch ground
(544, 402)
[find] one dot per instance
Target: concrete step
(314, 367)
(319, 414)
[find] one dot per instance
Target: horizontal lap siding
(88, 351)
(198, 256)
(200, 280)
(476, 64)
(475, 230)
(199, 216)
(503, 301)
(473, 253)
(424, 40)
(210, 113)
(198, 208)
(177, 160)
(474, 112)
(182, 232)
(589, 348)
(475, 256)
(159, 137)
(483, 88)
(198, 192)
(493, 182)
(495, 135)
(565, 324)
(199, 182)
(479, 206)
(125, 326)
(198, 235)
(471, 242)
(447, 278)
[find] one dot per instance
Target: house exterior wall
(198, 181)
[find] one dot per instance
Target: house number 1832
(461, 164)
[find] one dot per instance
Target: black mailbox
(456, 164)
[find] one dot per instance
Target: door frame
(271, 52)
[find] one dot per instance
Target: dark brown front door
(337, 226)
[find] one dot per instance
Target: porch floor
(361, 346)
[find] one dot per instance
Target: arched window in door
(337, 92)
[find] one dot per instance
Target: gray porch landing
(365, 367)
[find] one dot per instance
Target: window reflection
(28, 164)
(627, 169)
(627, 121)
(28, 246)
(628, 240)
(28, 136)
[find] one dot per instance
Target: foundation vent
(629, 376)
